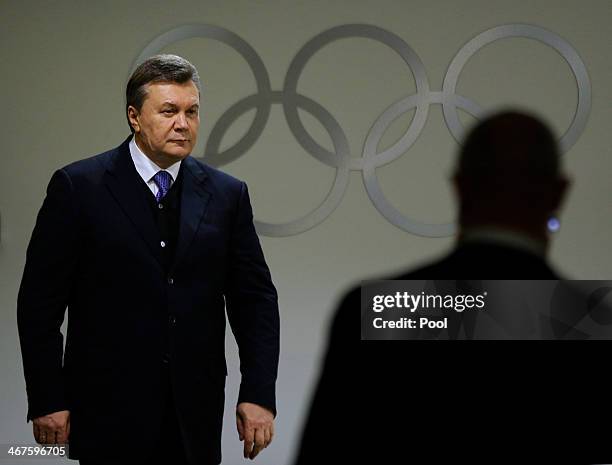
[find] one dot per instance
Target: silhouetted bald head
(508, 174)
(509, 144)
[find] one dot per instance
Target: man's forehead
(173, 91)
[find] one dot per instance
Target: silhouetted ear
(560, 189)
(467, 190)
(463, 197)
(458, 182)
(133, 117)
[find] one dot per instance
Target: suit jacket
(427, 388)
(95, 249)
(485, 260)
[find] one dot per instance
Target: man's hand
(53, 428)
(255, 427)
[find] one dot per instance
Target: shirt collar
(146, 167)
(504, 237)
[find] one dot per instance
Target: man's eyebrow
(172, 104)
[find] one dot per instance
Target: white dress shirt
(147, 169)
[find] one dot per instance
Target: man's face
(167, 125)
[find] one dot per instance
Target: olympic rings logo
(340, 158)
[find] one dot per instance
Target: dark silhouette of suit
(390, 402)
(485, 260)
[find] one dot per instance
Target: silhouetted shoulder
(484, 261)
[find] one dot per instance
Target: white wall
(64, 67)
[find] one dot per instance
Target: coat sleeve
(252, 309)
(44, 294)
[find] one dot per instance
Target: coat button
(172, 319)
(170, 281)
(162, 243)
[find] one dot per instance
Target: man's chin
(178, 153)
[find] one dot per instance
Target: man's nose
(180, 122)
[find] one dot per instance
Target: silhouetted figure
(509, 184)
(413, 402)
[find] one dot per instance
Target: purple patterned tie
(163, 180)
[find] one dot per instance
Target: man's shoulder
(213, 174)
(483, 261)
(91, 165)
(428, 270)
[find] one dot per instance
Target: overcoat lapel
(194, 202)
(122, 181)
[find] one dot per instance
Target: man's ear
(458, 182)
(133, 117)
(561, 187)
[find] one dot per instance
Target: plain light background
(63, 72)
